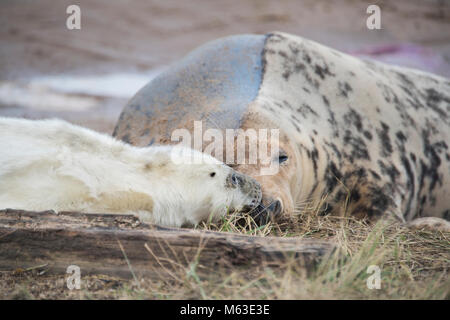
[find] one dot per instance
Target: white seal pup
(51, 164)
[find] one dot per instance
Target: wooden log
(119, 245)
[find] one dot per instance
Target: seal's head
(279, 177)
(197, 187)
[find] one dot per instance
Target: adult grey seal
(368, 138)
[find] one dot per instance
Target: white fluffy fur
(51, 164)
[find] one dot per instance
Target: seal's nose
(275, 207)
(265, 213)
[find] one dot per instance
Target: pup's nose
(245, 183)
(248, 186)
(236, 179)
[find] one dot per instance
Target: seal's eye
(282, 158)
(212, 174)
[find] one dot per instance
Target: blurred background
(86, 76)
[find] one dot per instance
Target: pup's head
(197, 187)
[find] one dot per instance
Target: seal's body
(51, 164)
(368, 137)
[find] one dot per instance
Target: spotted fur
(375, 135)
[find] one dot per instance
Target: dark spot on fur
(332, 175)
(344, 89)
(358, 146)
(305, 109)
(334, 148)
(322, 71)
(353, 118)
(389, 169)
(314, 158)
(410, 182)
(282, 53)
(431, 152)
(379, 200)
(433, 100)
(423, 200)
(385, 141)
(374, 174)
(368, 135)
(340, 196)
(355, 195)
(295, 125)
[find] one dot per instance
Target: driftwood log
(121, 246)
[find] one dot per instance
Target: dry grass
(414, 265)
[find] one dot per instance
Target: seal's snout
(275, 207)
(237, 180)
(267, 211)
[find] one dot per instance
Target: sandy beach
(86, 76)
